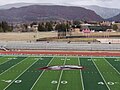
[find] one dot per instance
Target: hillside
(115, 18)
(103, 11)
(46, 12)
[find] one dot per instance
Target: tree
(48, 26)
(33, 23)
(115, 27)
(61, 28)
(1, 30)
(5, 26)
(76, 22)
(41, 27)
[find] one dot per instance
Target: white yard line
(101, 75)
(41, 74)
(81, 75)
(112, 66)
(61, 75)
(20, 75)
(13, 66)
(5, 61)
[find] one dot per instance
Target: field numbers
(101, 83)
(116, 60)
(62, 82)
(18, 81)
(89, 59)
(109, 83)
(12, 58)
(68, 59)
(62, 59)
(9, 81)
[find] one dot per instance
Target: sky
(104, 3)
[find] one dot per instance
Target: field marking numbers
(61, 74)
(62, 82)
(68, 59)
(9, 81)
(41, 75)
(11, 58)
(116, 60)
(81, 75)
(109, 83)
(21, 73)
(100, 83)
(62, 59)
(89, 60)
(101, 75)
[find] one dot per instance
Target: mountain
(103, 11)
(115, 18)
(41, 12)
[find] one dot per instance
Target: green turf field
(21, 73)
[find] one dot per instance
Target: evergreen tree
(5, 26)
(41, 27)
(48, 26)
(1, 30)
(115, 27)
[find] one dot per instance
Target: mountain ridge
(104, 12)
(39, 12)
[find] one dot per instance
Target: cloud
(105, 3)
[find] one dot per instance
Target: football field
(21, 73)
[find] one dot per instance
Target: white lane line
(41, 74)
(101, 75)
(13, 66)
(81, 75)
(20, 74)
(61, 75)
(112, 66)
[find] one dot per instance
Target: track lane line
(101, 75)
(41, 74)
(81, 75)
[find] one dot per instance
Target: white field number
(62, 82)
(89, 59)
(116, 60)
(9, 81)
(109, 83)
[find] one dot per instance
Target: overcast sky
(105, 3)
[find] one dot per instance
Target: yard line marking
(13, 66)
(61, 75)
(5, 61)
(20, 75)
(112, 66)
(81, 75)
(101, 74)
(41, 74)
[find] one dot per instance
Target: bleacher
(80, 46)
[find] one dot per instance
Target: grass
(32, 36)
(21, 73)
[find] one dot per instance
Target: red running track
(102, 53)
